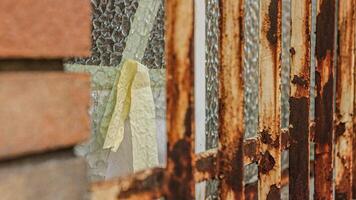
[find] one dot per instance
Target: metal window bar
(226, 163)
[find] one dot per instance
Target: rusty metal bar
(205, 165)
(343, 129)
(299, 100)
(205, 162)
(353, 179)
(179, 32)
(269, 165)
(251, 189)
(146, 184)
(231, 95)
(324, 80)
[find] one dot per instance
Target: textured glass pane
(211, 76)
(251, 49)
(212, 84)
(285, 73)
(251, 26)
(111, 26)
(122, 29)
(154, 54)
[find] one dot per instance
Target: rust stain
(340, 129)
(323, 139)
(251, 148)
(266, 138)
(271, 29)
(285, 139)
(325, 23)
(205, 165)
(343, 127)
(325, 104)
(274, 193)
(182, 171)
(299, 130)
(324, 80)
(299, 150)
(180, 99)
(251, 191)
(230, 153)
(272, 33)
(145, 184)
(267, 163)
(300, 81)
(148, 184)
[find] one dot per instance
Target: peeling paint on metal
(230, 155)
(180, 115)
(324, 101)
(343, 128)
(299, 164)
(269, 164)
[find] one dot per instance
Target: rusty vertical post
(343, 128)
(299, 101)
(324, 80)
(353, 172)
(180, 111)
(353, 175)
(269, 165)
(230, 154)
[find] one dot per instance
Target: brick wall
(43, 110)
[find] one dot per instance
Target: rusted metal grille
(332, 132)
(299, 101)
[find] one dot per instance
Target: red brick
(45, 28)
(42, 111)
(44, 177)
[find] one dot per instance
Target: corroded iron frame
(226, 163)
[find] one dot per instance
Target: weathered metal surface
(205, 165)
(343, 128)
(299, 99)
(324, 80)
(353, 179)
(251, 151)
(180, 99)
(251, 189)
(269, 165)
(205, 162)
(146, 185)
(226, 163)
(231, 130)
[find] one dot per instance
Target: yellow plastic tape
(134, 102)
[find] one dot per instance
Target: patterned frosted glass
(121, 29)
(111, 26)
(251, 27)
(211, 76)
(212, 84)
(251, 48)
(285, 73)
(154, 54)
